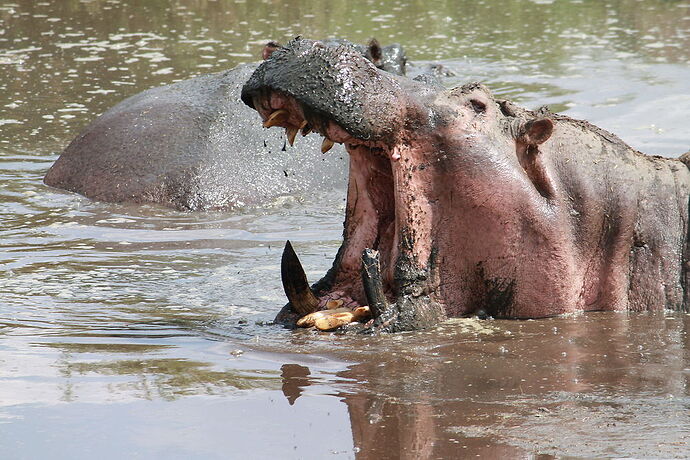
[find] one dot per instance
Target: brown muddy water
(140, 332)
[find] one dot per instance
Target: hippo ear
(529, 136)
(536, 131)
(269, 48)
(374, 52)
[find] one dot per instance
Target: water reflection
(295, 379)
(561, 386)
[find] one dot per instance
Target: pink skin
(498, 212)
(421, 198)
(509, 231)
(362, 219)
(497, 226)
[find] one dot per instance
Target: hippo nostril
(478, 106)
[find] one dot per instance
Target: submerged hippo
(461, 203)
(193, 145)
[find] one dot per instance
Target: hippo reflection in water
(193, 145)
(459, 202)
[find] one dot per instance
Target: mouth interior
(370, 214)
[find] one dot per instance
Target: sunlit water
(140, 332)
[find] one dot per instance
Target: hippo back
(192, 145)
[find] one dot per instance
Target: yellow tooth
(327, 320)
(304, 128)
(331, 304)
(361, 313)
(330, 322)
(291, 133)
(326, 145)
(276, 118)
(310, 319)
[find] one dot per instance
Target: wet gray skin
(390, 58)
(497, 210)
(193, 145)
(331, 85)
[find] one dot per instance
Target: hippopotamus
(193, 145)
(459, 203)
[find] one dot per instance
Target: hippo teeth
(291, 134)
(328, 320)
(371, 281)
(295, 283)
(305, 128)
(276, 118)
(326, 145)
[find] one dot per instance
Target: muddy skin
(187, 146)
(475, 204)
(390, 58)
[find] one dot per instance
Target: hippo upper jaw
(334, 83)
(280, 109)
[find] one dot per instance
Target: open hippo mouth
(370, 214)
(306, 88)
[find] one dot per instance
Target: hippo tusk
(295, 283)
(291, 134)
(276, 118)
(305, 128)
(326, 145)
(371, 279)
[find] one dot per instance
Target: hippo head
(390, 58)
(443, 185)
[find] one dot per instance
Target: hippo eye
(478, 106)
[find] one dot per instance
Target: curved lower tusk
(295, 283)
(371, 280)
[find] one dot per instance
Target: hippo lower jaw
(376, 265)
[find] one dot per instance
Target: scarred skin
(478, 206)
(193, 145)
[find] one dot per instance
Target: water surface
(143, 332)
